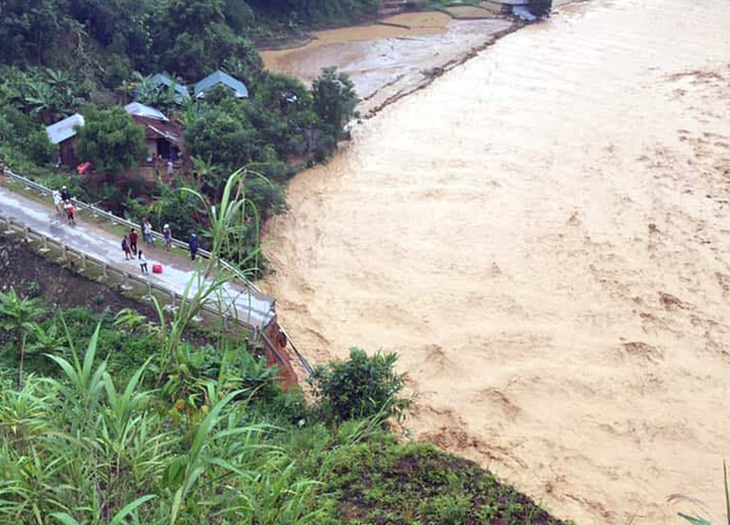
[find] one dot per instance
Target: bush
(334, 100)
(360, 387)
(110, 140)
(39, 148)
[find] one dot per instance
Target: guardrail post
(26, 235)
(64, 254)
(8, 229)
(83, 263)
(125, 282)
(104, 274)
(148, 297)
(44, 247)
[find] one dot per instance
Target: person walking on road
(70, 212)
(57, 201)
(125, 248)
(193, 245)
(147, 232)
(133, 241)
(167, 232)
(142, 262)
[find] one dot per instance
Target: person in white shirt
(142, 261)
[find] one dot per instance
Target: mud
(393, 58)
(542, 234)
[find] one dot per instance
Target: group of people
(131, 250)
(62, 201)
(63, 204)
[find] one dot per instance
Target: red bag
(156, 268)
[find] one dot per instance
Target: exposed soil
(29, 273)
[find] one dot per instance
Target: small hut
(63, 135)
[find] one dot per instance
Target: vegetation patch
(382, 482)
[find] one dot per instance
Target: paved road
(252, 307)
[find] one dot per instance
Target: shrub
(334, 100)
(39, 148)
(110, 140)
(360, 387)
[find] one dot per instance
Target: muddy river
(543, 235)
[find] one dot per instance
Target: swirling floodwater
(543, 235)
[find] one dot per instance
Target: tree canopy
(110, 140)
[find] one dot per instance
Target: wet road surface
(252, 308)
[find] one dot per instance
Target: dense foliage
(110, 140)
(361, 387)
(188, 37)
(88, 439)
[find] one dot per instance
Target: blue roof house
(220, 78)
(181, 92)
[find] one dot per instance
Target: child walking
(142, 262)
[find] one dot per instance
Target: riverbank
(397, 55)
(541, 235)
(393, 58)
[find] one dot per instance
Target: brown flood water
(543, 234)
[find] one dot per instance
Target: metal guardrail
(129, 224)
(83, 259)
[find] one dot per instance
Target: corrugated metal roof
(64, 129)
(140, 110)
(219, 77)
(180, 89)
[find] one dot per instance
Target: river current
(543, 235)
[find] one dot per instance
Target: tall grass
(82, 450)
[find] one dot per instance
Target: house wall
(67, 152)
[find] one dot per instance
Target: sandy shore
(542, 235)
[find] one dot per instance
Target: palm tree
(17, 317)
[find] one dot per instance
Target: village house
(63, 135)
(163, 140)
(161, 80)
(219, 78)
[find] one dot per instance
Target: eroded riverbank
(391, 59)
(542, 235)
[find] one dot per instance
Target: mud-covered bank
(398, 55)
(393, 58)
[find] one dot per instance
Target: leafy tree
(110, 140)
(27, 29)
(17, 317)
(39, 148)
(361, 386)
(238, 14)
(334, 100)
